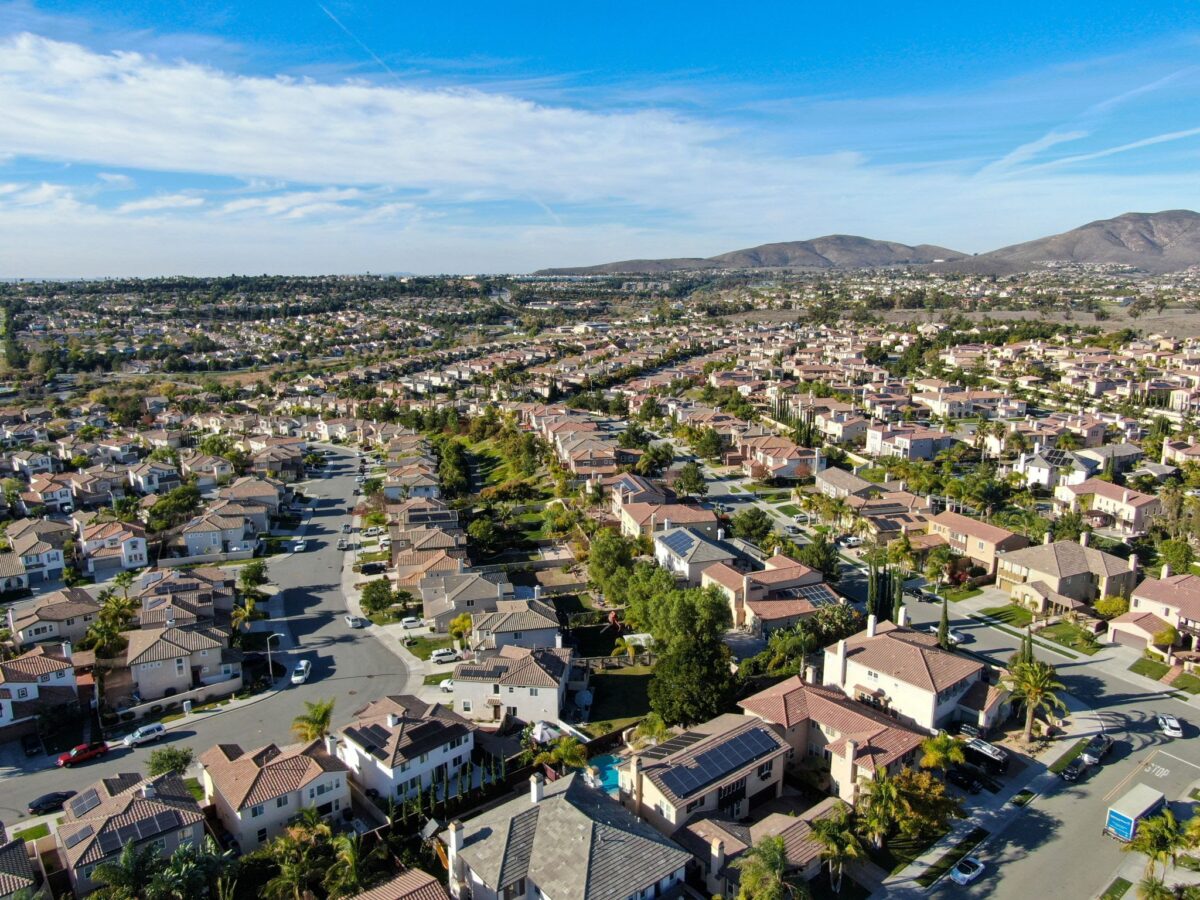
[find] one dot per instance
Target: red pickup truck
(82, 753)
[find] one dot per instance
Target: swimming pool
(607, 765)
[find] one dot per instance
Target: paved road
(1064, 825)
(351, 666)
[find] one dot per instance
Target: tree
(353, 869)
(839, 844)
(690, 481)
(127, 876)
(821, 554)
(242, 614)
(1034, 685)
(313, 723)
(928, 805)
(1151, 888)
(708, 443)
(252, 576)
(941, 751)
(174, 760)
(763, 867)
(752, 525)
(377, 597)
(1166, 638)
(943, 632)
(460, 627)
(484, 532)
(1178, 554)
(692, 681)
(1111, 607)
(652, 730)
(1160, 838)
(565, 753)
(880, 807)
(610, 553)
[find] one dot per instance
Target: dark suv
(1097, 748)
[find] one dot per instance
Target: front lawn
(1011, 614)
(954, 595)
(621, 698)
(1071, 636)
(899, 852)
(1118, 889)
(424, 646)
(1186, 681)
(438, 678)
(195, 788)
(1056, 767)
(948, 859)
(791, 509)
(32, 834)
(1022, 799)
(1150, 668)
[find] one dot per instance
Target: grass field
(425, 646)
(1069, 757)
(1012, 614)
(1118, 889)
(946, 862)
(195, 788)
(1069, 636)
(32, 834)
(622, 698)
(1150, 668)
(439, 678)
(954, 595)
(899, 852)
(1186, 681)
(790, 509)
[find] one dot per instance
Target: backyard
(621, 699)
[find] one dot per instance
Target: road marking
(1144, 766)
(1186, 762)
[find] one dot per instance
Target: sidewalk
(996, 812)
(1112, 659)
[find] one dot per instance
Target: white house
(524, 684)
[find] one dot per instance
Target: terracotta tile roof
(992, 534)
(518, 666)
(249, 779)
(400, 728)
(411, 885)
(1181, 592)
(911, 657)
(29, 666)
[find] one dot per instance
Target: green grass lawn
(1011, 614)
(439, 678)
(195, 789)
(622, 698)
(375, 556)
(900, 851)
(1150, 668)
(1069, 636)
(1069, 757)
(956, 594)
(790, 509)
(1186, 681)
(425, 646)
(1115, 891)
(1022, 798)
(947, 860)
(32, 834)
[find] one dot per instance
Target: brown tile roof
(911, 657)
(29, 666)
(518, 666)
(418, 728)
(992, 534)
(248, 779)
(1181, 592)
(411, 885)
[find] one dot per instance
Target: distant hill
(836, 251)
(1157, 242)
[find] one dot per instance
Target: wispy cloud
(161, 202)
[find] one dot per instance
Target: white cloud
(161, 202)
(115, 179)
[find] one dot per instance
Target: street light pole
(271, 668)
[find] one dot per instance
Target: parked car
(1096, 749)
(966, 870)
(82, 753)
(301, 672)
(342, 544)
(32, 744)
(373, 531)
(964, 778)
(444, 655)
(791, 529)
(852, 540)
(954, 637)
(346, 528)
(51, 802)
(144, 735)
(410, 622)
(300, 546)
(354, 621)
(1074, 769)
(1170, 726)
(915, 592)
(992, 759)
(447, 686)
(372, 568)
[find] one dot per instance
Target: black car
(372, 568)
(1076, 768)
(965, 779)
(32, 745)
(915, 593)
(49, 802)
(1096, 749)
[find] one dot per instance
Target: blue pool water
(607, 764)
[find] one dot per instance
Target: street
(350, 665)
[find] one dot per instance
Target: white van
(144, 735)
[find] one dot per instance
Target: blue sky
(158, 137)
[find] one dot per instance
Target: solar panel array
(718, 762)
(152, 826)
(84, 803)
(376, 737)
(82, 834)
(815, 593)
(674, 745)
(679, 542)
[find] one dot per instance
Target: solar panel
(167, 821)
(84, 803)
(718, 762)
(76, 837)
(674, 745)
(679, 542)
(128, 833)
(109, 843)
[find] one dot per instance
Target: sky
(158, 138)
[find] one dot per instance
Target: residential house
(779, 595)
(648, 519)
(1156, 604)
(112, 547)
(61, 616)
(34, 682)
(514, 682)
(567, 839)
(1064, 576)
(515, 623)
(1107, 505)
(20, 877)
(153, 477)
(839, 484)
(209, 534)
(979, 541)
(164, 661)
(907, 441)
(399, 745)
(41, 559)
(447, 595)
(686, 554)
(257, 793)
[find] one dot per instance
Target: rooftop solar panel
(679, 542)
(84, 803)
(718, 762)
(109, 843)
(76, 837)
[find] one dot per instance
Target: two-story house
(32, 683)
(514, 682)
(516, 623)
(447, 595)
(686, 553)
(979, 541)
(1064, 576)
(61, 616)
(112, 547)
(1155, 604)
(1110, 506)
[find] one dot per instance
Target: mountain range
(1155, 242)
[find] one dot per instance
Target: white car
(966, 870)
(353, 621)
(955, 637)
(301, 672)
(852, 541)
(300, 546)
(144, 735)
(373, 531)
(410, 622)
(1170, 726)
(444, 655)
(447, 686)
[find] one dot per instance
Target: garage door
(1129, 640)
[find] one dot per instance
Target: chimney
(840, 654)
(393, 720)
(666, 524)
(1166, 570)
(67, 650)
(537, 786)
(716, 856)
(558, 640)
(331, 744)
(1125, 496)
(461, 566)
(872, 624)
(148, 790)
(902, 619)
(635, 783)
(1047, 537)
(1133, 562)
(851, 755)
(537, 592)
(454, 845)
(499, 590)
(720, 534)
(810, 674)
(1084, 537)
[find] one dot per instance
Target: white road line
(1186, 762)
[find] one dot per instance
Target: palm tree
(1151, 888)
(880, 807)
(132, 870)
(653, 730)
(1034, 685)
(242, 614)
(941, 752)
(353, 868)
(763, 868)
(123, 581)
(1161, 839)
(623, 647)
(313, 723)
(565, 753)
(839, 844)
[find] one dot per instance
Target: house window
(533, 692)
(256, 811)
(516, 635)
(262, 835)
(695, 804)
(179, 666)
(22, 693)
(281, 801)
(466, 706)
(764, 771)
